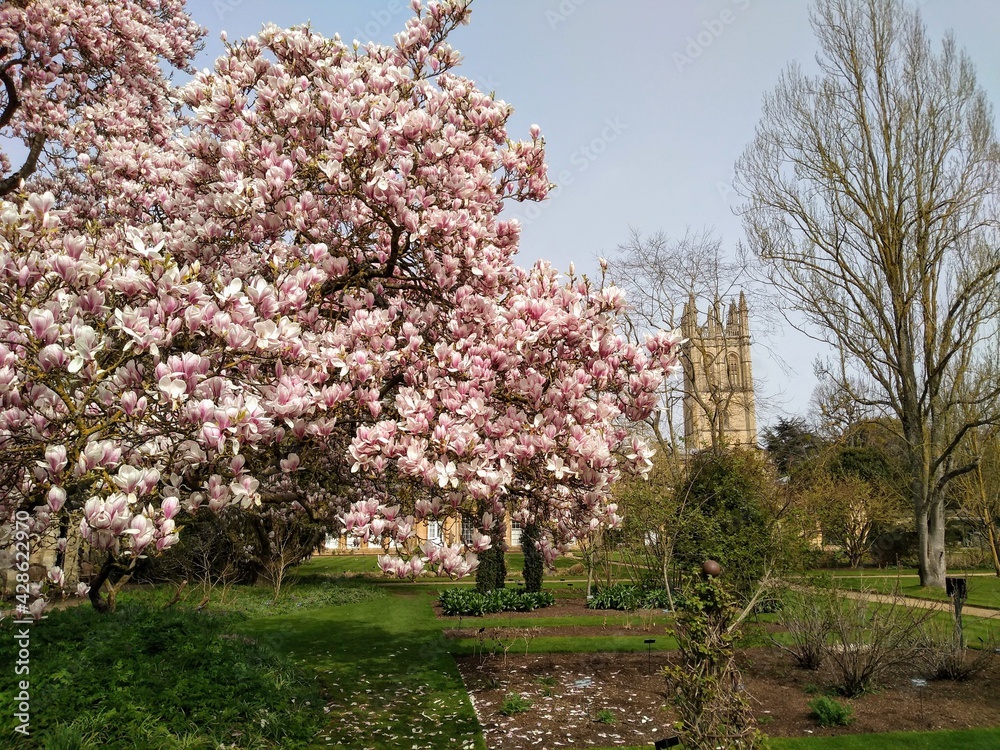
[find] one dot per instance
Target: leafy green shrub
(152, 678)
(829, 712)
(471, 603)
(622, 596)
(704, 683)
(606, 716)
(731, 518)
(628, 597)
(514, 703)
(656, 599)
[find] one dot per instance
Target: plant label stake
(649, 654)
(919, 683)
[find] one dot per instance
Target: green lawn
(611, 619)
(341, 564)
(568, 644)
(968, 739)
(358, 564)
(983, 591)
(963, 739)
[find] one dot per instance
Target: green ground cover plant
(628, 597)
(830, 712)
(158, 679)
(514, 703)
(606, 716)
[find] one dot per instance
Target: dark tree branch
(13, 182)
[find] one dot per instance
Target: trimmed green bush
(492, 571)
(534, 564)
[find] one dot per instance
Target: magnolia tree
(121, 395)
(83, 83)
(308, 297)
(431, 358)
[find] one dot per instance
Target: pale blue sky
(645, 106)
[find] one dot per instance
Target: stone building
(718, 377)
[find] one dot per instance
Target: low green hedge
(471, 603)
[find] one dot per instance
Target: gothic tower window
(733, 370)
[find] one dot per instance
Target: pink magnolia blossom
(36, 608)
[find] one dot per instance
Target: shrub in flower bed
(625, 596)
(471, 603)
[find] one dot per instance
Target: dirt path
(973, 611)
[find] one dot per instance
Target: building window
(434, 533)
(353, 542)
(468, 526)
(331, 541)
(515, 534)
(733, 371)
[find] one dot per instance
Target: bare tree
(979, 489)
(869, 197)
(833, 409)
(666, 280)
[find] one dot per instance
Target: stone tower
(718, 377)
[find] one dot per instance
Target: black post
(956, 589)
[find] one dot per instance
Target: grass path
(385, 665)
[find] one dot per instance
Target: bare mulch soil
(568, 692)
